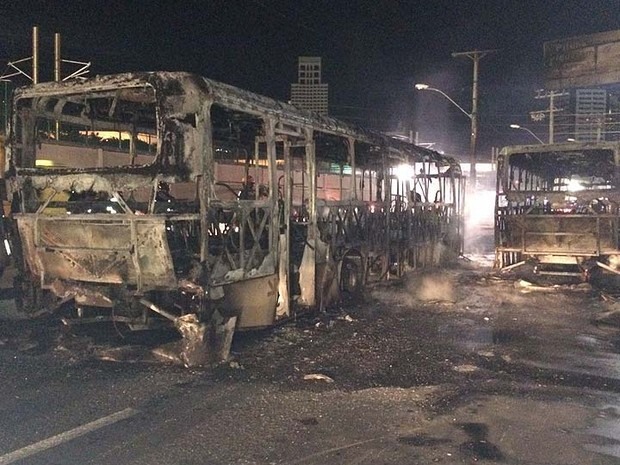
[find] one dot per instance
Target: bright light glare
(481, 209)
(421, 86)
(574, 186)
(403, 172)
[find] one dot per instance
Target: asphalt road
(477, 371)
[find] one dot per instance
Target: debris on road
(27, 346)
(465, 368)
(526, 286)
(610, 318)
(318, 377)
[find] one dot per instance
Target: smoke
(418, 289)
(434, 287)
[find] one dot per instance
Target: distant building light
(574, 186)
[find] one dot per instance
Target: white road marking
(54, 441)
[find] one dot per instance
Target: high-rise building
(309, 92)
(613, 116)
(590, 114)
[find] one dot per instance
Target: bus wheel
(351, 277)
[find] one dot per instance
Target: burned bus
(163, 197)
(557, 208)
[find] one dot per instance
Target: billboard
(583, 61)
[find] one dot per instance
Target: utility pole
(538, 115)
(57, 61)
(84, 67)
(57, 57)
(16, 70)
(35, 55)
(475, 56)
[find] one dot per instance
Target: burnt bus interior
(557, 207)
(159, 195)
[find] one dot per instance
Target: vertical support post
(474, 124)
(308, 265)
(5, 103)
(284, 281)
(256, 167)
(57, 75)
(409, 213)
(2, 159)
(57, 57)
(351, 147)
(133, 146)
(387, 202)
(598, 235)
(29, 155)
(311, 172)
(206, 179)
(270, 140)
(35, 55)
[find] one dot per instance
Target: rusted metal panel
(253, 300)
(566, 234)
(153, 255)
(98, 251)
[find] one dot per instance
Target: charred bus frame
(557, 208)
(150, 195)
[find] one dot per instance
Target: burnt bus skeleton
(153, 230)
(557, 208)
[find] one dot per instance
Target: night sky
(373, 51)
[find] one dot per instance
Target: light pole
(516, 126)
(474, 129)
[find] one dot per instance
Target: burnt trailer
(166, 197)
(557, 208)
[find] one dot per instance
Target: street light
(427, 87)
(516, 126)
(473, 116)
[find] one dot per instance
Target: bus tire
(351, 277)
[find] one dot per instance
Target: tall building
(590, 114)
(309, 92)
(613, 116)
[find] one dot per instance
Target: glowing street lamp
(516, 126)
(427, 87)
(473, 116)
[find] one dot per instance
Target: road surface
(454, 367)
